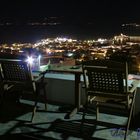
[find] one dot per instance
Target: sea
(32, 34)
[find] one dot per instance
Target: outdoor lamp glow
(30, 60)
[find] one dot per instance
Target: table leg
(77, 97)
(77, 90)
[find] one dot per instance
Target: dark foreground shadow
(10, 110)
(60, 130)
(73, 129)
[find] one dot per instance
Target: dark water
(77, 27)
(12, 34)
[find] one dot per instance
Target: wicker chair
(106, 86)
(17, 74)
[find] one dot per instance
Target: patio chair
(106, 87)
(3, 88)
(18, 75)
(0, 87)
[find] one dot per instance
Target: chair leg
(83, 119)
(46, 106)
(33, 113)
(45, 94)
(130, 116)
(35, 106)
(34, 110)
(1, 94)
(128, 124)
(97, 112)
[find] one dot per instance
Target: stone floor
(51, 125)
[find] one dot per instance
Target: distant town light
(70, 54)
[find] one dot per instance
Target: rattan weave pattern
(105, 81)
(16, 71)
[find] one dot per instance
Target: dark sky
(85, 8)
(104, 14)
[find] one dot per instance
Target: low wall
(60, 88)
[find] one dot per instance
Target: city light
(57, 49)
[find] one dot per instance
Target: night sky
(79, 19)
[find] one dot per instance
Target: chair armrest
(83, 86)
(36, 79)
(134, 85)
(40, 77)
(43, 72)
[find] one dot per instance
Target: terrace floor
(51, 125)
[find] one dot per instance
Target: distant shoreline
(31, 34)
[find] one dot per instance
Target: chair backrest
(15, 71)
(106, 78)
(1, 80)
(0, 76)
